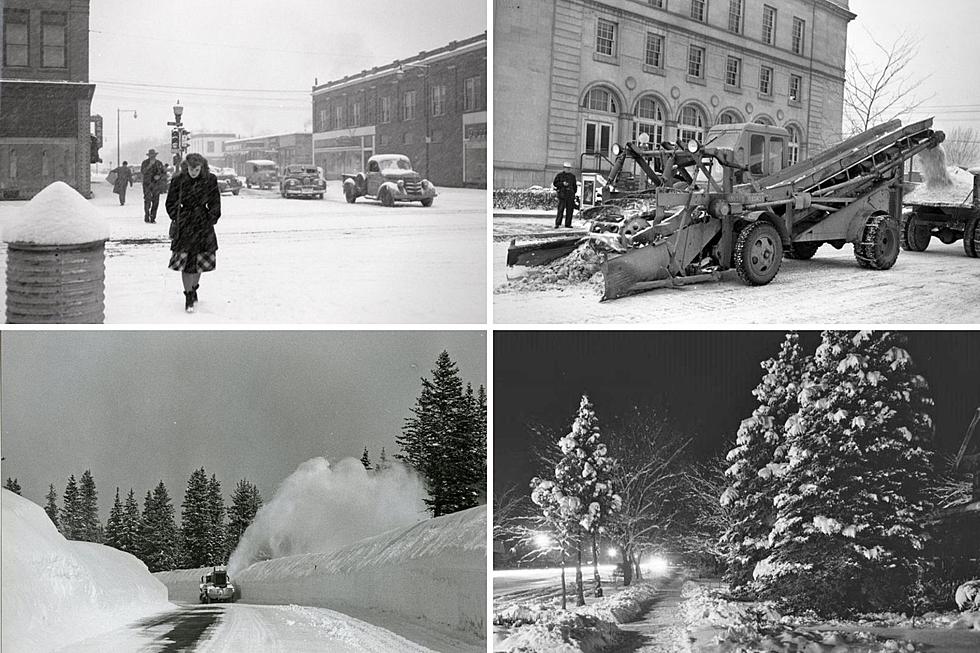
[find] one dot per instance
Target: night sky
(703, 379)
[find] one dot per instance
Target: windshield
(301, 170)
(400, 163)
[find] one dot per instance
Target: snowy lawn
(301, 261)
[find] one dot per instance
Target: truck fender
(391, 186)
(755, 216)
(351, 183)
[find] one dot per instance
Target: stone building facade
(431, 107)
(45, 97)
(284, 149)
(572, 77)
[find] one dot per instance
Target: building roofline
(834, 7)
(453, 47)
(255, 138)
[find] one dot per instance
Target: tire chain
(864, 251)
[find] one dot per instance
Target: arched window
(600, 99)
(793, 146)
(729, 117)
(764, 120)
(691, 124)
(648, 118)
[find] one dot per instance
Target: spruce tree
(159, 547)
(113, 528)
(760, 449)
(216, 523)
(366, 460)
(130, 525)
(70, 522)
(245, 502)
(12, 485)
(51, 507)
(382, 463)
(850, 511)
(88, 509)
(196, 521)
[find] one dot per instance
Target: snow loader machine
(215, 587)
(733, 204)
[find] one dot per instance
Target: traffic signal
(185, 139)
(175, 140)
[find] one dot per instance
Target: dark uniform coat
(124, 179)
(151, 168)
(195, 205)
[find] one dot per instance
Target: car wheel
(427, 201)
(385, 197)
(349, 193)
(235, 192)
(319, 196)
(248, 184)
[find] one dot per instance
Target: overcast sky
(214, 55)
(138, 407)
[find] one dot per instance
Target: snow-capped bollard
(56, 260)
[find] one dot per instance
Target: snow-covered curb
(589, 628)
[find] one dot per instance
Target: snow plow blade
(629, 273)
(541, 252)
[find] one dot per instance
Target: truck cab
(262, 173)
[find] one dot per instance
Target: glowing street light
(542, 540)
(613, 552)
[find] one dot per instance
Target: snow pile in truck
(57, 591)
(432, 572)
(935, 192)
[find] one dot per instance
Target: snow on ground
(56, 591)
(938, 286)
(426, 582)
(300, 261)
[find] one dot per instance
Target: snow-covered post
(56, 260)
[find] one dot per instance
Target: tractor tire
(971, 238)
(350, 194)
(879, 246)
(802, 251)
(204, 599)
(758, 253)
(427, 201)
(384, 196)
(915, 236)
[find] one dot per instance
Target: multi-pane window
(765, 80)
(649, 119)
(605, 37)
(355, 114)
(408, 138)
(733, 72)
(795, 88)
(735, 10)
(654, 51)
(324, 117)
(15, 30)
(408, 105)
(338, 117)
(437, 100)
(793, 145)
(769, 24)
(729, 118)
(384, 109)
(598, 137)
(695, 61)
(54, 39)
(799, 29)
(600, 99)
(471, 93)
(691, 124)
(210, 146)
(698, 9)
(657, 3)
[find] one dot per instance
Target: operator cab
(753, 149)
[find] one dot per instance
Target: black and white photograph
(244, 162)
(246, 491)
(736, 491)
(803, 161)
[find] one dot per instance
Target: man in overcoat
(566, 185)
(154, 183)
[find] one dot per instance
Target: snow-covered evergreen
(759, 451)
(130, 525)
(70, 524)
(195, 521)
(366, 459)
(245, 502)
(159, 547)
(51, 507)
(113, 527)
(89, 527)
(12, 485)
(217, 554)
(853, 487)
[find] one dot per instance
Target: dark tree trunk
(627, 567)
(597, 580)
(636, 567)
(579, 585)
(564, 587)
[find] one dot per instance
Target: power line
(141, 37)
(171, 87)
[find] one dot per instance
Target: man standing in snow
(566, 185)
(124, 181)
(154, 181)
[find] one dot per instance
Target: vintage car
(262, 173)
(228, 181)
(302, 180)
(389, 179)
(216, 587)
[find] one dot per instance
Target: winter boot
(189, 301)
(194, 291)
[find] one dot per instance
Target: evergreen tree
(51, 507)
(196, 521)
(90, 530)
(217, 554)
(759, 449)
(853, 496)
(130, 525)
(245, 502)
(113, 528)
(366, 460)
(70, 509)
(12, 485)
(382, 461)
(441, 442)
(158, 546)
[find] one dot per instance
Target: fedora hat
(151, 152)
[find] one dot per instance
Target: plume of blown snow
(322, 507)
(934, 170)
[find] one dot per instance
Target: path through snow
(661, 628)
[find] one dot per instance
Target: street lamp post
(119, 111)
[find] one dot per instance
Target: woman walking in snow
(194, 206)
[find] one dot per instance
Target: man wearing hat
(566, 185)
(154, 183)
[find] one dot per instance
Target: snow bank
(434, 571)
(581, 266)
(58, 215)
(57, 591)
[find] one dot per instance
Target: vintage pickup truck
(389, 179)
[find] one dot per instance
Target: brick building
(431, 107)
(212, 146)
(575, 76)
(45, 97)
(284, 149)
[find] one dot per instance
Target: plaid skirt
(192, 264)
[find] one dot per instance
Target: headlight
(616, 149)
(693, 146)
(401, 183)
(425, 184)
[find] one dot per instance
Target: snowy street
(227, 628)
(939, 285)
(301, 261)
